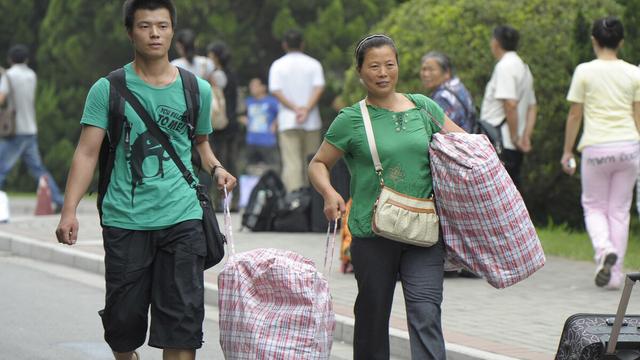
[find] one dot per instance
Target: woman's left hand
(568, 162)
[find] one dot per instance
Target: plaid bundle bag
(274, 304)
(485, 223)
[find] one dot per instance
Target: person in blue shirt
(262, 109)
(448, 91)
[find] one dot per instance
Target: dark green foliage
(555, 37)
(631, 21)
(20, 22)
(77, 41)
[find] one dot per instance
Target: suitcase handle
(629, 281)
(634, 276)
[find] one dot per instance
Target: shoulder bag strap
(13, 96)
(370, 138)
(464, 106)
(154, 129)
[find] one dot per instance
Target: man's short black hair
(18, 54)
(262, 78)
(507, 37)
(130, 6)
(293, 38)
(608, 32)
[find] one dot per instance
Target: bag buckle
(379, 172)
(189, 177)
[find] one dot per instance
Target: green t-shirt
(146, 189)
(402, 140)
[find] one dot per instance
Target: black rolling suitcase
(601, 336)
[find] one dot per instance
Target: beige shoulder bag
(397, 216)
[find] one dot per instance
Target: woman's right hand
(568, 162)
(334, 206)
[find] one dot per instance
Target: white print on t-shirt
(258, 113)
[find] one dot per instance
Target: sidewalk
(522, 322)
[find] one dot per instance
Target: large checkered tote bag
(485, 223)
(274, 304)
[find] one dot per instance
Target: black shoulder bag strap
(121, 87)
(464, 106)
(116, 119)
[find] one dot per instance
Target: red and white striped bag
(485, 223)
(274, 304)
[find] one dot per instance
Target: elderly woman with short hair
(447, 90)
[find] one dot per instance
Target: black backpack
(117, 122)
(294, 212)
(264, 201)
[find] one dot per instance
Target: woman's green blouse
(402, 139)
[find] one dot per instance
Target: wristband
(215, 167)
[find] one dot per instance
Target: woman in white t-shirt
(606, 92)
(201, 66)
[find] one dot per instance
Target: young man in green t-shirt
(152, 231)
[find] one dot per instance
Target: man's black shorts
(158, 268)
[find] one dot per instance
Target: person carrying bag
(381, 252)
(214, 238)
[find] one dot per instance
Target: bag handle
(228, 232)
(228, 228)
(371, 140)
(331, 240)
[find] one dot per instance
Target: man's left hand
(223, 178)
(524, 144)
(301, 114)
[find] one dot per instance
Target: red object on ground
(44, 203)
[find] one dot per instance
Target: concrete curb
(64, 255)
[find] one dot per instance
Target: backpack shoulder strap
(115, 121)
(468, 112)
(116, 107)
(191, 98)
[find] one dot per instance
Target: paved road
(50, 312)
(480, 322)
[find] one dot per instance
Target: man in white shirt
(510, 101)
(297, 81)
(18, 86)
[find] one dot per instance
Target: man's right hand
(67, 231)
(301, 114)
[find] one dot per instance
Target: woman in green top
(403, 125)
